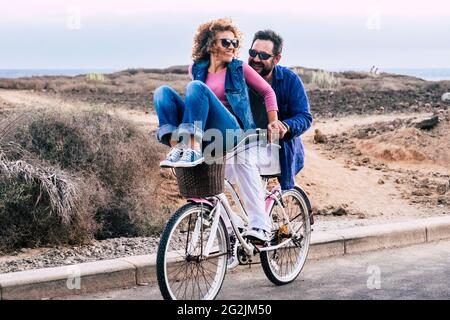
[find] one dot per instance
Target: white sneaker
(258, 235)
(172, 157)
(190, 158)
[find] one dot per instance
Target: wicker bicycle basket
(203, 180)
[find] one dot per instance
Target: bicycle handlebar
(233, 152)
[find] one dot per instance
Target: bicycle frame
(219, 202)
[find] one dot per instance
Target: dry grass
(126, 82)
(325, 80)
(316, 79)
(132, 89)
(107, 160)
(62, 190)
(41, 206)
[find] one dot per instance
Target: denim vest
(236, 90)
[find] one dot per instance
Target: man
(294, 119)
(293, 105)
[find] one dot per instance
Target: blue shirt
(294, 110)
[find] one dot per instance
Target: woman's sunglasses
(226, 43)
(262, 55)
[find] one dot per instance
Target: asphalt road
(415, 272)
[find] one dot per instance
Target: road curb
(141, 270)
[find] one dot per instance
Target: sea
(430, 74)
(434, 74)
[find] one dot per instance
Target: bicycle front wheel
(184, 269)
(290, 221)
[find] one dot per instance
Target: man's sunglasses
(226, 43)
(262, 55)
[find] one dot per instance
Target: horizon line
(182, 65)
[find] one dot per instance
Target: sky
(118, 34)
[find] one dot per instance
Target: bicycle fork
(275, 196)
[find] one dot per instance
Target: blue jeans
(201, 110)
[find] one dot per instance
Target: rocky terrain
(400, 151)
(370, 158)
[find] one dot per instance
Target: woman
(217, 98)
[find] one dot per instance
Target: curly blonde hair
(206, 35)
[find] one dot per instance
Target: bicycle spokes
(195, 256)
(292, 233)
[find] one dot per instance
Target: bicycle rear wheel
(282, 266)
(183, 272)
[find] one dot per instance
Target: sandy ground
(330, 181)
(327, 177)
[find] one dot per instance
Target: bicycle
(195, 244)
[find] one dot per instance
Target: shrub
(115, 158)
(324, 80)
(41, 206)
(57, 142)
(352, 75)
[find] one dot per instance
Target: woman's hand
(276, 130)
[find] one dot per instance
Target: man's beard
(264, 71)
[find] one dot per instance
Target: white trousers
(244, 170)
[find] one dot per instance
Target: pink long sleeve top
(216, 82)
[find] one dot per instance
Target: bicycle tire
(162, 260)
(268, 262)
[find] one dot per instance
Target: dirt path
(330, 183)
(32, 100)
